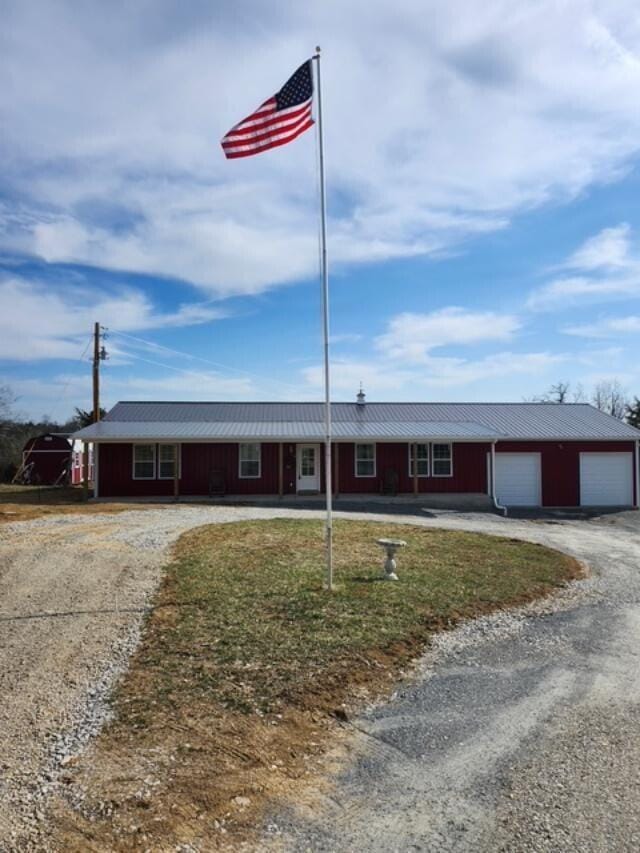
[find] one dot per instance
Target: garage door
(518, 479)
(606, 479)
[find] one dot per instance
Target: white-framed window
(144, 461)
(365, 457)
(422, 451)
(167, 456)
(441, 460)
(249, 461)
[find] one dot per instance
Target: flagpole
(325, 330)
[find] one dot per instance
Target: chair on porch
(389, 482)
(217, 484)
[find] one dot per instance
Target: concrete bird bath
(390, 566)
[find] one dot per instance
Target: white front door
(308, 465)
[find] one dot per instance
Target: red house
(511, 454)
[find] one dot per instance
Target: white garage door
(606, 479)
(518, 479)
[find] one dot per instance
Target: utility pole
(99, 354)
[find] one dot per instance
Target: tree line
(15, 430)
(608, 396)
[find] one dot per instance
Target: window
(307, 462)
(167, 461)
(442, 466)
(144, 461)
(365, 460)
(423, 459)
(249, 461)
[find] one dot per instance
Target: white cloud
(412, 336)
(609, 249)
(607, 266)
(385, 380)
(64, 318)
(438, 126)
(611, 327)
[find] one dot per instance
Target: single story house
(515, 454)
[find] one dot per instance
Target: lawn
(246, 658)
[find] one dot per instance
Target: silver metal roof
(373, 421)
(285, 431)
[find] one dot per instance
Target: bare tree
(579, 395)
(609, 396)
(7, 399)
(556, 394)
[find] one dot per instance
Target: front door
(308, 465)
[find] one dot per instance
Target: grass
(245, 653)
(247, 622)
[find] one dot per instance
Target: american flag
(279, 120)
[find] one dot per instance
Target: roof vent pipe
(360, 397)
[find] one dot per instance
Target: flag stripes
(279, 120)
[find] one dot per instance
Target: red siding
(560, 465)
(560, 470)
(49, 455)
(469, 470)
(198, 461)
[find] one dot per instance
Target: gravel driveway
(521, 732)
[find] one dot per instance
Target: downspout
(497, 505)
(638, 474)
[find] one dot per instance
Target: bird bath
(390, 566)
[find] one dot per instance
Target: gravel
(517, 731)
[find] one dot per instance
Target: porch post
(85, 470)
(176, 472)
(336, 478)
(415, 468)
(280, 471)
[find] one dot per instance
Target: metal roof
(285, 431)
(351, 421)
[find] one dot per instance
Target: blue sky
(483, 177)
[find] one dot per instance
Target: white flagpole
(325, 330)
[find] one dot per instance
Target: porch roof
(286, 431)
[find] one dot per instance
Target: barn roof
(48, 441)
(220, 421)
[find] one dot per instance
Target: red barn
(512, 454)
(45, 458)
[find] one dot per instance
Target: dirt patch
(248, 665)
(24, 503)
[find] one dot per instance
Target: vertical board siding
(199, 460)
(198, 463)
(560, 464)
(560, 472)
(115, 464)
(469, 470)
(49, 457)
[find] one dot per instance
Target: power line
(65, 388)
(215, 364)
